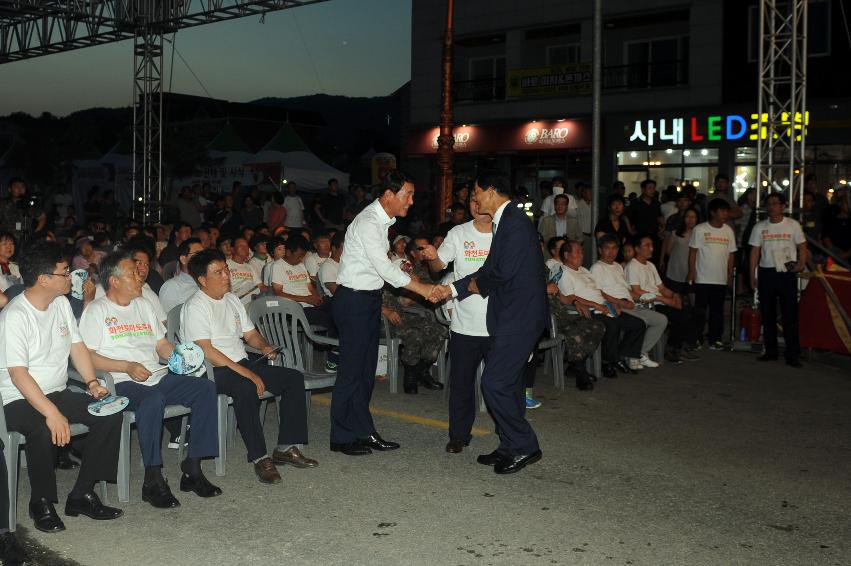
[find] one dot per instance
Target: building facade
(679, 91)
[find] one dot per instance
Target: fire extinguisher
(750, 322)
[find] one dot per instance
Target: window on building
(563, 54)
(657, 62)
(818, 28)
(486, 79)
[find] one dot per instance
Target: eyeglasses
(66, 273)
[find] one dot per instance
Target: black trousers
(623, 337)
(684, 325)
(100, 447)
(710, 299)
(322, 315)
(285, 382)
(465, 355)
(774, 287)
(358, 319)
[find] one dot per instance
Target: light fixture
(140, 199)
(765, 183)
(843, 182)
(695, 184)
(704, 152)
(284, 181)
(560, 120)
(797, 171)
(633, 154)
(830, 191)
(669, 151)
(785, 182)
(686, 152)
(645, 163)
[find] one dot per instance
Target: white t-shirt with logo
(714, 246)
(779, 242)
(611, 280)
(126, 333)
(257, 265)
(579, 282)
(467, 249)
(242, 280)
(11, 278)
(295, 212)
(644, 275)
(37, 340)
(147, 293)
(222, 321)
(328, 274)
(293, 278)
(312, 262)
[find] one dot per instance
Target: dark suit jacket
(513, 278)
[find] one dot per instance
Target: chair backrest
(4, 432)
(172, 327)
(279, 322)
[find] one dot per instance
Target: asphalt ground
(721, 461)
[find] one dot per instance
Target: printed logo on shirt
(296, 276)
(119, 331)
(63, 329)
(768, 237)
(713, 240)
(242, 275)
(474, 254)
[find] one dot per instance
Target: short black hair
(339, 239)
(257, 240)
(15, 180)
(4, 235)
(638, 238)
(617, 184)
(777, 195)
(561, 196)
(494, 179)
(141, 243)
(39, 259)
(717, 204)
(297, 242)
(183, 248)
(274, 243)
(201, 261)
(646, 182)
(552, 243)
(394, 181)
(607, 239)
(616, 198)
(567, 247)
(109, 265)
(457, 206)
(722, 176)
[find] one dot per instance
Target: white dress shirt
(365, 265)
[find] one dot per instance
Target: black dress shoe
(767, 358)
(45, 517)
(159, 495)
(456, 446)
(64, 460)
(492, 458)
(513, 464)
(609, 371)
(623, 368)
(350, 448)
(583, 383)
(91, 506)
(199, 485)
(377, 443)
(795, 363)
(11, 552)
(430, 383)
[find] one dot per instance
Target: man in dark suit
(513, 279)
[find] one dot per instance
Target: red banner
(818, 325)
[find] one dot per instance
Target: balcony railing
(646, 75)
(479, 90)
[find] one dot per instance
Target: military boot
(410, 376)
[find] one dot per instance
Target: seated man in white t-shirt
(313, 260)
(141, 260)
(179, 288)
(217, 321)
(646, 287)
(624, 334)
(38, 332)
(291, 280)
(126, 338)
(245, 282)
(329, 269)
(610, 278)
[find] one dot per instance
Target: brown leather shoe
(455, 446)
(266, 471)
(293, 457)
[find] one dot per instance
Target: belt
(369, 292)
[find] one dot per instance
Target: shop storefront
(693, 146)
(530, 151)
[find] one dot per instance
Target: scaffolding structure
(782, 118)
(35, 28)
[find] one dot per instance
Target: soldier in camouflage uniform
(582, 335)
(15, 217)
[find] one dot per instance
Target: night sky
(349, 47)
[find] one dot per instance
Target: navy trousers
(149, 401)
(465, 354)
(358, 319)
(503, 390)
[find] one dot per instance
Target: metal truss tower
(34, 28)
(782, 117)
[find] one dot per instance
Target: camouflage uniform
(11, 215)
(422, 336)
(582, 335)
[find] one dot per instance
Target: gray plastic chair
(12, 444)
(392, 343)
(553, 347)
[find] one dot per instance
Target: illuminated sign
(677, 131)
(545, 136)
(570, 80)
(536, 135)
(461, 140)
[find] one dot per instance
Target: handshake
(438, 293)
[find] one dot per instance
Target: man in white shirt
(624, 334)
(610, 278)
(244, 281)
(314, 259)
(291, 280)
(294, 206)
(330, 268)
(466, 247)
(779, 249)
(364, 269)
(548, 204)
(260, 257)
(647, 288)
(38, 332)
(217, 321)
(178, 289)
(141, 259)
(712, 252)
(126, 337)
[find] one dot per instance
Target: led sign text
(678, 131)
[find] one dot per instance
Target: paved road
(723, 461)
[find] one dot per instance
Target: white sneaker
(634, 364)
(647, 362)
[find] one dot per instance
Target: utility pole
(597, 80)
(446, 140)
